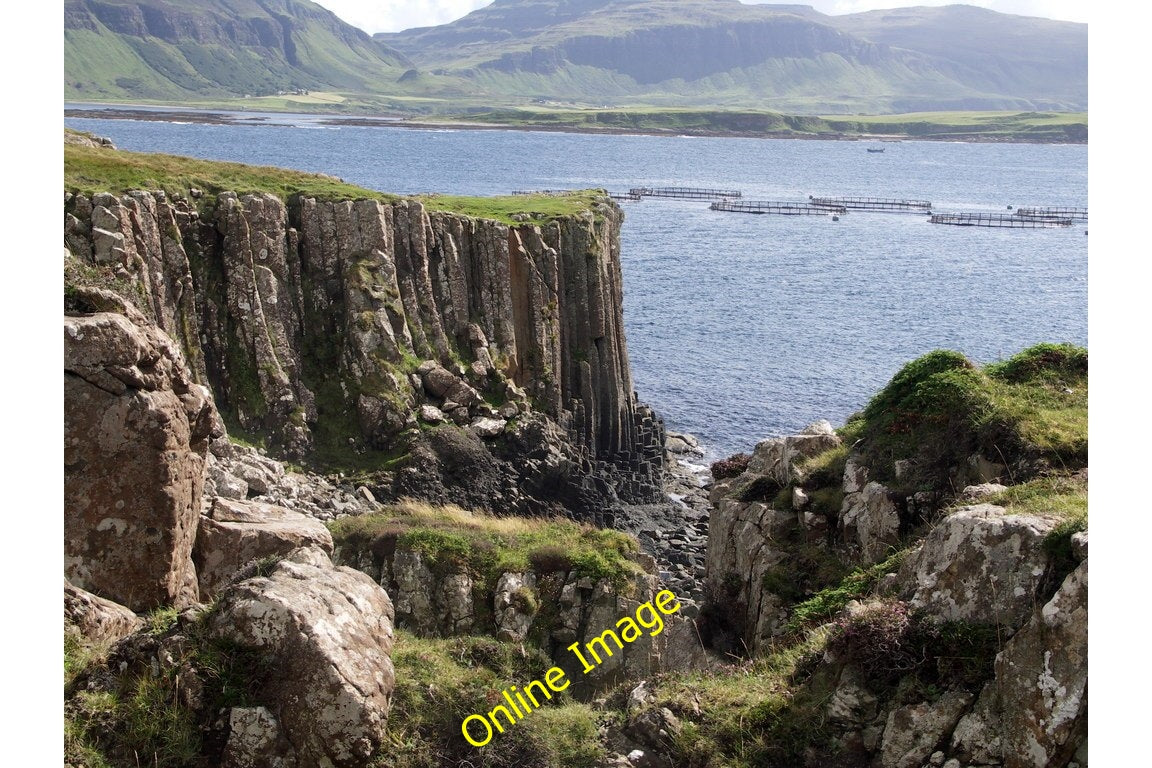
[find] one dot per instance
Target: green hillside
(723, 53)
(159, 49)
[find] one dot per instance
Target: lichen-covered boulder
(779, 457)
(235, 533)
(979, 564)
(1043, 675)
(328, 633)
(136, 432)
(1034, 713)
(912, 732)
(870, 522)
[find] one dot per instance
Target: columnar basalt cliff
(344, 328)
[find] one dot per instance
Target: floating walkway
(685, 193)
(872, 204)
(997, 220)
(628, 196)
(1076, 214)
(782, 209)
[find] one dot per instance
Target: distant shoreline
(219, 117)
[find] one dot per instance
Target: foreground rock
(980, 564)
(136, 432)
(328, 631)
(98, 620)
(235, 533)
(1034, 713)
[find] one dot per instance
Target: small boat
(875, 149)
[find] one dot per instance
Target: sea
(742, 327)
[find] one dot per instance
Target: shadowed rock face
(136, 432)
(329, 324)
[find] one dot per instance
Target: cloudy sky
(395, 15)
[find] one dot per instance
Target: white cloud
(394, 15)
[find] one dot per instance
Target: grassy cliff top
(88, 170)
(454, 540)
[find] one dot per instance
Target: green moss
(764, 713)
(83, 717)
(826, 501)
(145, 712)
(144, 716)
(89, 170)
(825, 469)
(1055, 495)
(161, 620)
(535, 209)
(155, 723)
(1048, 363)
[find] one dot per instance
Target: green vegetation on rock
(1029, 412)
(517, 209)
(825, 604)
(89, 170)
(453, 540)
(761, 713)
(134, 713)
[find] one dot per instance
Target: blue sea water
(741, 327)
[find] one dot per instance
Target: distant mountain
(1037, 59)
(163, 49)
(724, 53)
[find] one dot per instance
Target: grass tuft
(826, 603)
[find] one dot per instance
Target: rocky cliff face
(548, 607)
(348, 330)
